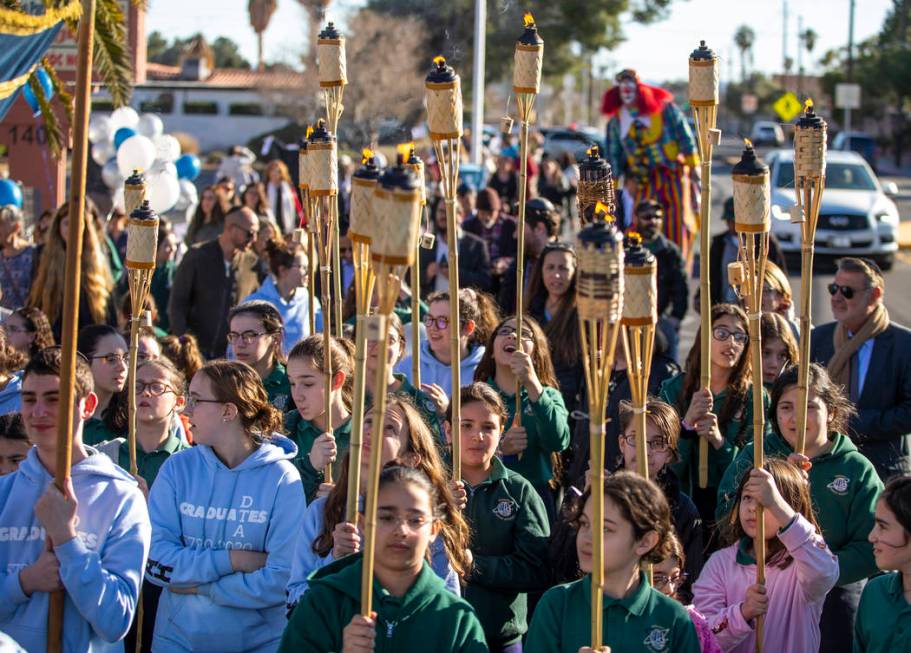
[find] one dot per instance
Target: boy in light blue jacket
(90, 541)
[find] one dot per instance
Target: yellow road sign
(787, 106)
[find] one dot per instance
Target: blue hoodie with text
(101, 568)
(200, 510)
(435, 372)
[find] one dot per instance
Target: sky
(658, 51)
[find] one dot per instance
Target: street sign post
(847, 97)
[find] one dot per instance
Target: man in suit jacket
(871, 357)
(474, 259)
(210, 280)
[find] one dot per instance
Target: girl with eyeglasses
(306, 425)
(28, 330)
(723, 414)
(413, 611)
(843, 485)
(508, 365)
(107, 354)
(325, 536)
(255, 331)
(225, 517)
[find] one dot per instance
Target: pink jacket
(796, 593)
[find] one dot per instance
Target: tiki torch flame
(366, 155)
(309, 132)
(634, 238)
(602, 211)
(439, 60)
(404, 151)
(747, 143)
(808, 105)
(528, 19)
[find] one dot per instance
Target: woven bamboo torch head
(134, 191)
(752, 201)
(810, 144)
(397, 206)
(142, 238)
(640, 292)
(444, 101)
(596, 184)
(703, 77)
(322, 157)
(599, 272)
(529, 58)
(330, 49)
(361, 226)
(416, 164)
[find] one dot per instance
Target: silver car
(857, 217)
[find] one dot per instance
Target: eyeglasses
(156, 388)
(846, 291)
(663, 580)
(192, 402)
(649, 216)
(10, 328)
(439, 323)
(507, 331)
(658, 445)
(112, 359)
(722, 334)
(249, 233)
(247, 336)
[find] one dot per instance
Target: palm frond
(112, 61)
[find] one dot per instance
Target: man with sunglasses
(871, 357)
(211, 278)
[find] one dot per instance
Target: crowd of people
(236, 539)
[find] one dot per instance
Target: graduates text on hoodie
(427, 618)
(101, 568)
(201, 510)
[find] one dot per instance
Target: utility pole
(850, 70)
(477, 81)
(800, 45)
(784, 41)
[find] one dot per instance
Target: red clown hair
(649, 99)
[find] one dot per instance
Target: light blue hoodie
(11, 395)
(295, 314)
(306, 561)
(433, 371)
(200, 510)
(101, 568)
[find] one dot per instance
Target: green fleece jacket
(546, 421)
(844, 486)
(427, 618)
(304, 433)
(509, 536)
(737, 432)
(278, 387)
(883, 617)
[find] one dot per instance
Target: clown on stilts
(651, 146)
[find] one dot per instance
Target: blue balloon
(10, 193)
(121, 135)
(188, 167)
(44, 80)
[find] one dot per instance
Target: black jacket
(687, 525)
(474, 264)
(673, 291)
(882, 427)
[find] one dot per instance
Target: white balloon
(110, 175)
(167, 148)
(188, 195)
(102, 152)
(124, 117)
(160, 166)
(150, 125)
(163, 191)
(118, 199)
(135, 153)
(100, 128)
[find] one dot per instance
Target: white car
(767, 133)
(856, 218)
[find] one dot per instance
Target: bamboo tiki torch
(810, 181)
(596, 184)
(397, 203)
(64, 458)
(361, 231)
(752, 207)
(323, 159)
(599, 301)
(526, 83)
(704, 100)
(301, 235)
(415, 275)
(444, 121)
(333, 76)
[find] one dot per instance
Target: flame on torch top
(602, 211)
(808, 105)
(634, 238)
(309, 132)
(439, 60)
(366, 155)
(404, 151)
(528, 19)
(747, 143)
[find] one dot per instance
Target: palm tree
(260, 13)
(316, 11)
(809, 39)
(744, 38)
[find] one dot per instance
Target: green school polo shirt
(883, 622)
(149, 463)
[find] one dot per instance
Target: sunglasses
(846, 291)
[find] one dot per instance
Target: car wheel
(886, 262)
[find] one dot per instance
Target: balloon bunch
(124, 141)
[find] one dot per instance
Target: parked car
(766, 132)
(860, 142)
(575, 141)
(856, 218)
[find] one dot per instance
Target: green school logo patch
(506, 509)
(839, 484)
(657, 639)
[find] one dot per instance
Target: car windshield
(839, 176)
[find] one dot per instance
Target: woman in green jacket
(542, 428)
(412, 610)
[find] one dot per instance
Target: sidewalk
(904, 234)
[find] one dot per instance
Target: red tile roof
(230, 77)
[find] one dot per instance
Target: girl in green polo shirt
(883, 623)
(106, 352)
(636, 616)
(255, 333)
(527, 448)
(306, 425)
